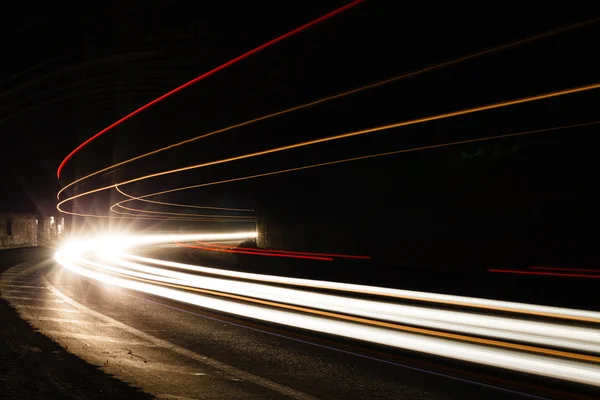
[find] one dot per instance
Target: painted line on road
(311, 343)
(19, 279)
(96, 338)
(247, 376)
(19, 306)
(23, 286)
(64, 320)
(32, 298)
(373, 322)
(175, 397)
(17, 282)
(24, 291)
(158, 367)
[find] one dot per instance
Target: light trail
(416, 121)
(131, 198)
(205, 75)
(436, 298)
(134, 217)
(256, 252)
(552, 349)
(293, 252)
(116, 244)
(366, 157)
(164, 203)
(224, 217)
(129, 215)
(307, 301)
(567, 269)
(411, 74)
(207, 216)
(518, 272)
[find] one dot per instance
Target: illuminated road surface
(184, 304)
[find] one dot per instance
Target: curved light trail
(133, 198)
(567, 269)
(359, 158)
(313, 165)
(214, 216)
(142, 216)
(411, 74)
(206, 74)
(554, 349)
(256, 252)
(290, 252)
(416, 121)
(164, 213)
(554, 342)
(435, 298)
(564, 274)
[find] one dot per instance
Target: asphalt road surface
(179, 351)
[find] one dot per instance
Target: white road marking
(65, 320)
(243, 375)
(18, 280)
(175, 397)
(96, 338)
(24, 286)
(24, 291)
(32, 298)
(161, 367)
(46, 308)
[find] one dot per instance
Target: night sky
(69, 72)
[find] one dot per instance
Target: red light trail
(567, 269)
(199, 78)
(510, 271)
(291, 252)
(256, 253)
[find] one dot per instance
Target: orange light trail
(133, 216)
(164, 203)
(207, 216)
(416, 121)
(205, 75)
(343, 94)
(395, 152)
(131, 198)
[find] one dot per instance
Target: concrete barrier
(28, 230)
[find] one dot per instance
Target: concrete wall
(17, 230)
(26, 230)
(50, 229)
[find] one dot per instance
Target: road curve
(176, 350)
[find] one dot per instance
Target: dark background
(68, 72)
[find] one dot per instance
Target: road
(175, 349)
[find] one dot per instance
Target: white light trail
(550, 334)
(448, 333)
(499, 305)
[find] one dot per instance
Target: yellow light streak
(416, 121)
(207, 216)
(359, 158)
(343, 94)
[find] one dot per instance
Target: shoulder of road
(33, 366)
